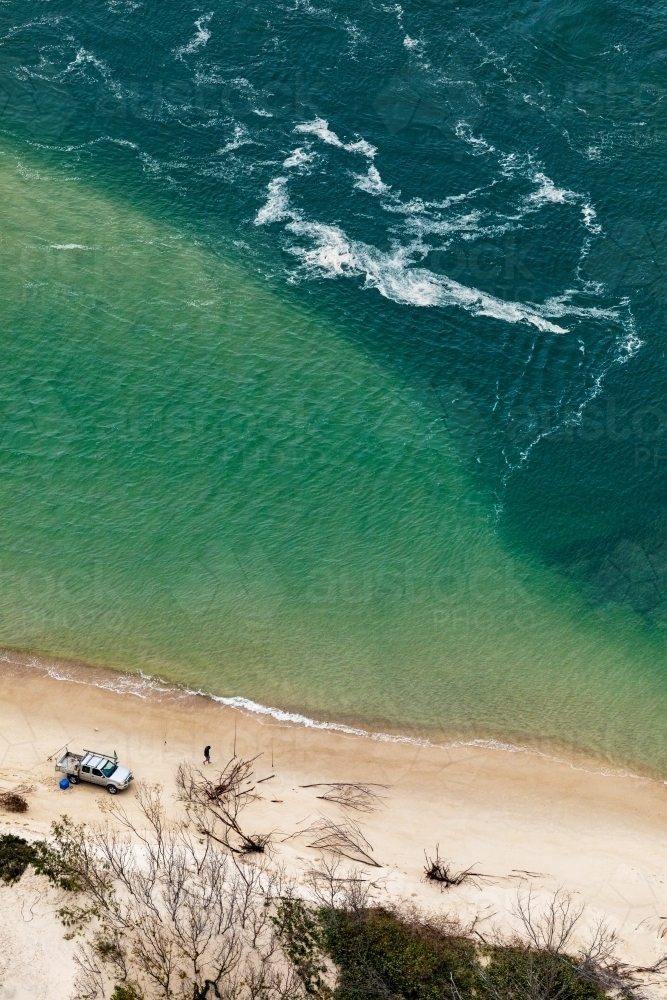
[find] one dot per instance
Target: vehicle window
(97, 773)
(109, 768)
(86, 770)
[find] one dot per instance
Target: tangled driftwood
(343, 840)
(215, 805)
(14, 799)
(440, 871)
(351, 794)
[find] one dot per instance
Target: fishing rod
(55, 754)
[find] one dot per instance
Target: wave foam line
(332, 254)
(320, 128)
(200, 39)
(145, 685)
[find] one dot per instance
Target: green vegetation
(182, 920)
(17, 854)
(378, 953)
(125, 991)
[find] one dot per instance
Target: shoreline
(144, 685)
(525, 820)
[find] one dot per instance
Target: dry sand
(521, 818)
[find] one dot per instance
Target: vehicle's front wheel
(111, 789)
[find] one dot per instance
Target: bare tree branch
(215, 805)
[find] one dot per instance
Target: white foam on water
(68, 246)
(590, 215)
(371, 182)
(479, 145)
(39, 22)
(145, 686)
(417, 206)
(469, 226)
(394, 274)
(299, 158)
(412, 44)
(199, 40)
(632, 342)
(320, 128)
(85, 58)
(241, 138)
(27, 173)
(355, 35)
(276, 207)
(123, 6)
(547, 192)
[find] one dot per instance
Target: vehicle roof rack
(98, 753)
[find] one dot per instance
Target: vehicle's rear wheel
(111, 789)
(73, 779)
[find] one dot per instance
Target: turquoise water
(333, 369)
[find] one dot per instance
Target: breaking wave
(145, 686)
(330, 253)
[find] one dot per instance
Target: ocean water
(334, 358)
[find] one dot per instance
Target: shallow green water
(183, 493)
(317, 389)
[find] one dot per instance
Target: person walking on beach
(207, 755)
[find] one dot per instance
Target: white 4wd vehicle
(95, 767)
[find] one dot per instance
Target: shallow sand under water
(519, 817)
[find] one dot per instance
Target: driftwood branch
(14, 799)
(440, 871)
(343, 840)
(351, 794)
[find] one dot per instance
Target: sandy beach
(520, 818)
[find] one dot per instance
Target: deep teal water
(333, 357)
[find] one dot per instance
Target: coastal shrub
(15, 856)
(17, 853)
(125, 991)
(301, 934)
(521, 971)
(379, 953)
